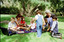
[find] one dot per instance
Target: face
(23, 19)
(48, 14)
(12, 20)
(53, 19)
(19, 18)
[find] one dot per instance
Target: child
(12, 26)
(23, 23)
(39, 23)
(18, 20)
(33, 26)
(54, 28)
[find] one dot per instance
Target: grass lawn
(31, 37)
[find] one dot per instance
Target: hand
(48, 29)
(43, 28)
(28, 29)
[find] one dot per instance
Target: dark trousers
(5, 31)
(57, 35)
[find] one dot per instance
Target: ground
(31, 37)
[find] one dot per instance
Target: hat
(47, 11)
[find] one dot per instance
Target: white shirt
(11, 25)
(53, 25)
(32, 25)
(36, 17)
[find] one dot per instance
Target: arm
(36, 17)
(53, 26)
(43, 22)
(16, 22)
(9, 25)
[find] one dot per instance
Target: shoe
(60, 37)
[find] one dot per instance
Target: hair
(12, 18)
(22, 18)
(38, 11)
(54, 17)
(19, 15)
(32, 21)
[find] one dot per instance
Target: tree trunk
(35, 8)
(24, 10)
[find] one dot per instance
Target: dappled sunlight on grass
(5, 15)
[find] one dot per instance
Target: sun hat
(47, 11)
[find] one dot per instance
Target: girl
(23, 23)
(32, 26)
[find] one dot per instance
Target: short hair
(54, 17)
(38, 11)
(12, 18)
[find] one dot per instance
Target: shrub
(10, 10)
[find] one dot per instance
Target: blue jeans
(39, 30)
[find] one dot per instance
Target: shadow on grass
(16, 37)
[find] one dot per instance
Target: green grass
(31, 37)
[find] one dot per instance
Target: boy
(39, 23)
(54, 28)
(12, 26)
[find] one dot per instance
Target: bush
(10, 10)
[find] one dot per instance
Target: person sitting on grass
(12, 26)
(54, 28)
(18, 20)
(32, 26)
(48, 19)
(23, 23)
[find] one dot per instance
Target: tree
(57, 6)
(27, 7)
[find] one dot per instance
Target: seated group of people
(19, 25)
(50, 21)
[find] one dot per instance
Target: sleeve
(53, 26)
(36, 17)
(48, 20)
(42, 16)
(9, 25)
